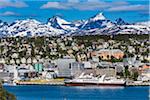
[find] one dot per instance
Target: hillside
(4, 95)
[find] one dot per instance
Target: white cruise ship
(85, 80)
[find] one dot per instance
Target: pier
(35, 83)
(138, 84)
(42, 82)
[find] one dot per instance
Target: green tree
(126, 72)
(135, 74)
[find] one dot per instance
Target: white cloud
(75, 5)
(9, 13)
(56, 5)
(128, 8)
(120, 3)
(15, 3)
(74, 1)
(93, 5)
(92, 0)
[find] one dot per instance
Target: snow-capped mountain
(3, 28)
(2, 24)
(78, 23)
(96, 25)
(100, 25)
(60, 23)
(144, 23)
(120, 21)
(31, 27)
(118, 29)
(97, 21)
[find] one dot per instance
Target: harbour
(74, 50)
(47, 92)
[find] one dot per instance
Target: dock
(42, 82)
(138, 84)
(34, 83)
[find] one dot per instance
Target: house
(49, 71)
(1, 67)
(49, 74)
(2, 61)
(25, 73)
(145, 72)
(132, 62)
(38, 67)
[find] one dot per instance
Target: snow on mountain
(99, 16)
(78, 23)
(118, 29)
(135, 29)
(60, 23)
(2, 24)
(31, 27)
(97, 21)
(55, 26)
(120, 21)
(3, 27)
(102, 26)
(147, 23)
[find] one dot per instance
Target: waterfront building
(38, 67)
(145, 72)
(49, 71)
(4, 76)
(76, 68)
(25, 73)
(64, 67)
(10, 68)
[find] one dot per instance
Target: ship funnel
(102, 78)
(82, 74)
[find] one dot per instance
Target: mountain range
(96, 25)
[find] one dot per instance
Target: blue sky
(129, 10)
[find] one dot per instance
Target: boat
(90, 80)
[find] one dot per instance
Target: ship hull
(95, 84)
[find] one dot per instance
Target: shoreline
(63, 84)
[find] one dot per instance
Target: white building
(87, 64)
(64, 67)
(76, 68)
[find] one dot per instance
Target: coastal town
(74, 50)
(52, 60)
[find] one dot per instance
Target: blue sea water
(41, 92)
